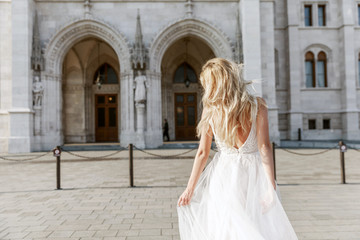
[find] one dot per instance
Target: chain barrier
(163, 156)
(25, 159)
(353, 148)
(98, 157)
(70, 153)
(307, 154)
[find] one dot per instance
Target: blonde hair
(227, 104)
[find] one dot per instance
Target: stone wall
(5, 72)
(339, 40)
(275, 41)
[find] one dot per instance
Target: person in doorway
(166, 130)
(235, 196)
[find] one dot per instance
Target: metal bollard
(273, 149)
(131, 165)
(57, 154)
(343, 149)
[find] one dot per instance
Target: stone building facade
(111, 71)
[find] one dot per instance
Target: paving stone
(103, 207)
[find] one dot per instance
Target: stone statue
(140, 90)
(38, 91)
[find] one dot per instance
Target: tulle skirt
(234, 200)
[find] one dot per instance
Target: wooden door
(106, 118)
(185, 116)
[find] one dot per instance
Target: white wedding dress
(234, 200)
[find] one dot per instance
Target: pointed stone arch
(215, 38)
(55, 51)
(77, 30)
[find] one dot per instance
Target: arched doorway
(60, 45)
(167, 53)
(90, 88)
(180, 86)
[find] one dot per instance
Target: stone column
(153, 135)
(52, 109)
(140, 117)
(37, 121)
(295, 56)
(250, 14)
(37, 129)
(350, 117)
(268, 66)
(5, 74)
(127, 133)
(21, 114)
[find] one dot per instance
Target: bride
(234, 198)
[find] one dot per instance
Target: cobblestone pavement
(96, 203)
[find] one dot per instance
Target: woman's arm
(198, 166)
(264, 145)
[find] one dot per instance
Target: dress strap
(253, 123)
(212, 126)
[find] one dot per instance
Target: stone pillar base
(274, 125)
(19, 145)
(48, 142)
(127, 137)
(350, 127)
(153, 139)
(21, 130)
(295, 122)
(140, 140)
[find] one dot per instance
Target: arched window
(185, 71)
(107, 74)
(310, 69)
(321, 75)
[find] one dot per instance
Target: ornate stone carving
(87, 7)
(37, 60)
(37, 65)
(238, 50)
(139, 56)
(38, 91)
(217, 39)
(140, 88)
(69, 34)
(189, 8)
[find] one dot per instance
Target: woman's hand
(185, 197)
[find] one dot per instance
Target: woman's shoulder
(261, 101)
(261, 106)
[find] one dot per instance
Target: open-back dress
(234, 199)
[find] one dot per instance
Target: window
(326, 123)
(321, 16)
(316, 77)
(310, 69)
(107, 74)
(312, 124)
(183, 71)
(308, 15)
(321, 70)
